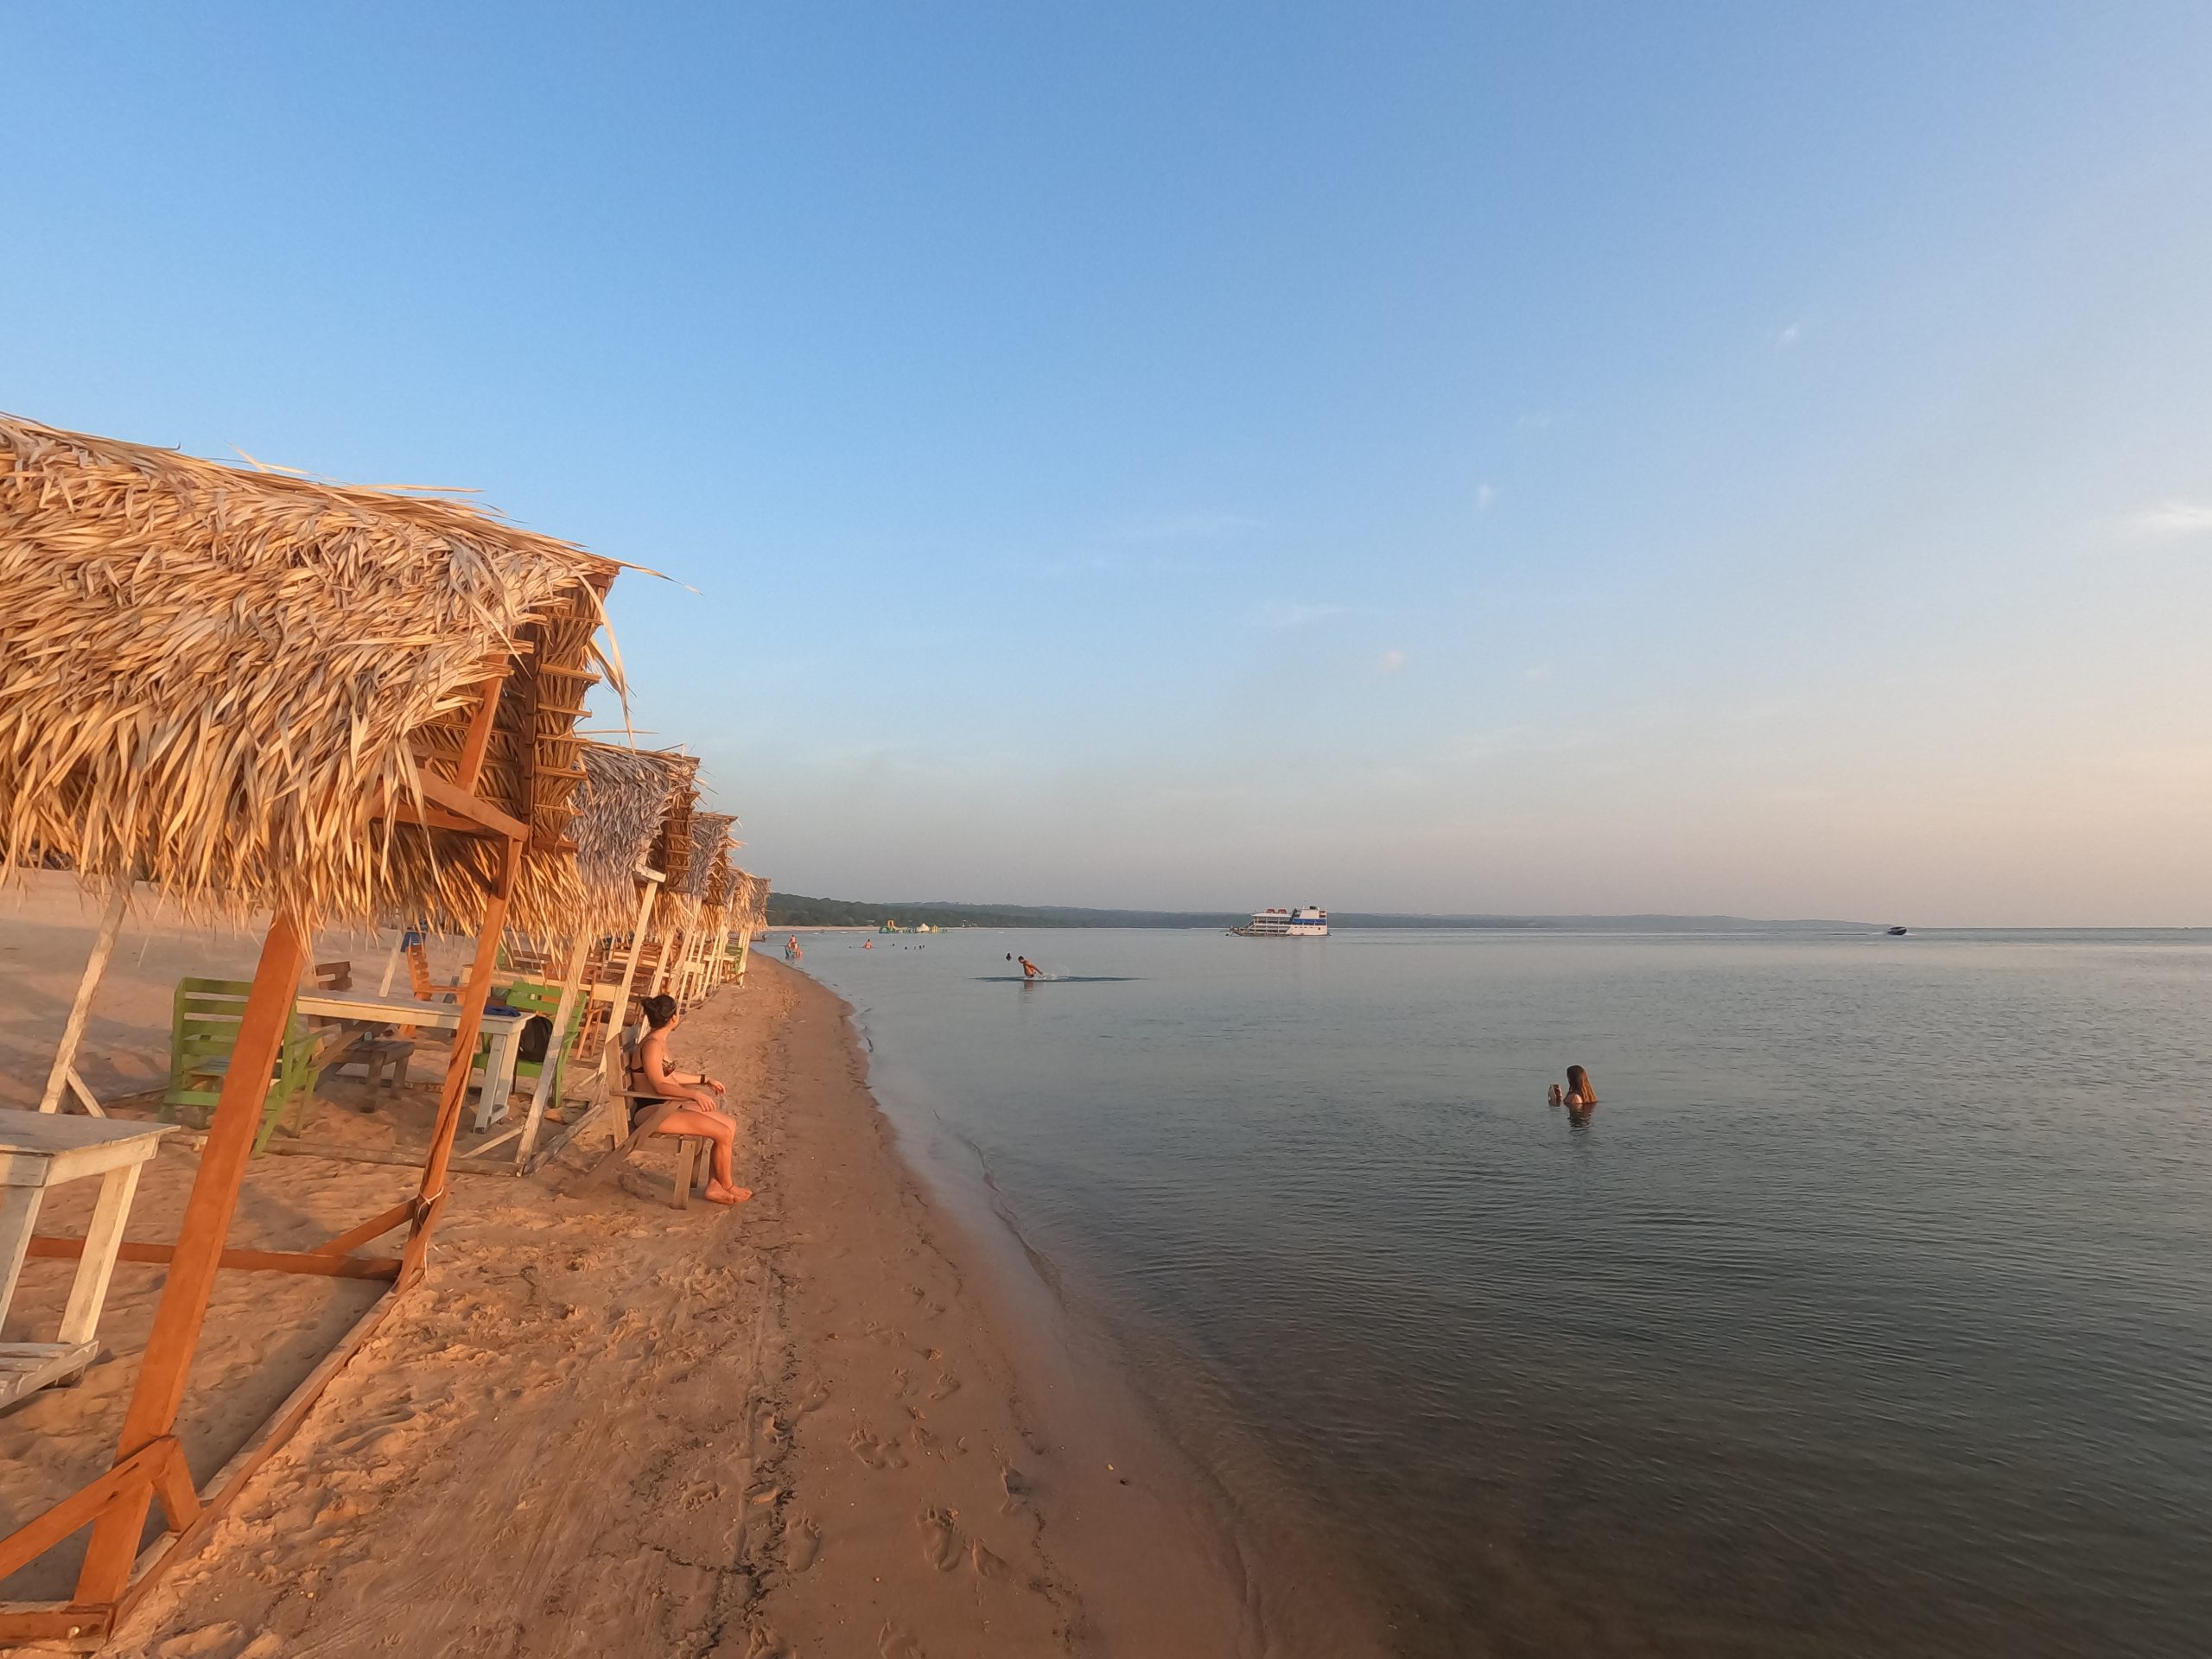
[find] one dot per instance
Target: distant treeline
(795, 910)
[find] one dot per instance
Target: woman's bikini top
(639, 1084)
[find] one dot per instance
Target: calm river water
(1870, 1312)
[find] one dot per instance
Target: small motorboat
(1897, 932)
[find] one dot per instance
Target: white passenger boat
(1299, 922)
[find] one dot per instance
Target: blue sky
(1556, 457)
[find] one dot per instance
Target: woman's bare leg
(722, 1187)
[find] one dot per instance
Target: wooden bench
(694, 1153)
(43, 1149)
(384, 1060)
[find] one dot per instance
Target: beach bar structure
(260, 695)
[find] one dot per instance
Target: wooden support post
(672, 955)
(132, 1477)
(431, 1198)
(391, 964)
(473, 747)
(668, 947)
(86, 1098)
(319, 1263)
(610, 1052)
(207, 1212)
(73, 1032)
(571, 990)
(370, 1230)
(719, 956)
(668, 972)
(102, 1241)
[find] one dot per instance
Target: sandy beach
(807, 1426)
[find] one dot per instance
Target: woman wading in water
(698, 1098)
(1580, 1094)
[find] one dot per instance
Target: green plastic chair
(532, 997)
(203, 1034)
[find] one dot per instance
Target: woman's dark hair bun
(659, 1010)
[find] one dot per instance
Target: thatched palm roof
(210, 675)
(626, 799)
(749, 903)
(670, 853)
(710, 852)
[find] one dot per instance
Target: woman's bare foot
(718, 1193)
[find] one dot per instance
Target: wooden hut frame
(715, 912)
(253, 691)
(748, 914)
(706, 885)
(626, 797)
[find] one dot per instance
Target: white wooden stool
(43, 1149)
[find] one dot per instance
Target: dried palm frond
(212, 676)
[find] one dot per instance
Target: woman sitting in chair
(696, 1097)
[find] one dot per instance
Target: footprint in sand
(996, 1569)
(208, 1642)
(801, 1544)
(895, 1644)
(876, 1454)
(947, 1386)
(940, 1542)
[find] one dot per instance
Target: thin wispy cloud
(1390, 662)
(1788, 336)
(1295, 612)
(2171, 520)
(1485, 498)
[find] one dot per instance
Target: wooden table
(503, 1030)
(43, 1149)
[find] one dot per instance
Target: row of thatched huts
(270, 699)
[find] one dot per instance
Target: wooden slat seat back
(533, 997)
(425, 989)
(204, 1032)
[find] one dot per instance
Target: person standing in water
(1030, 969)
(1579, 1091)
